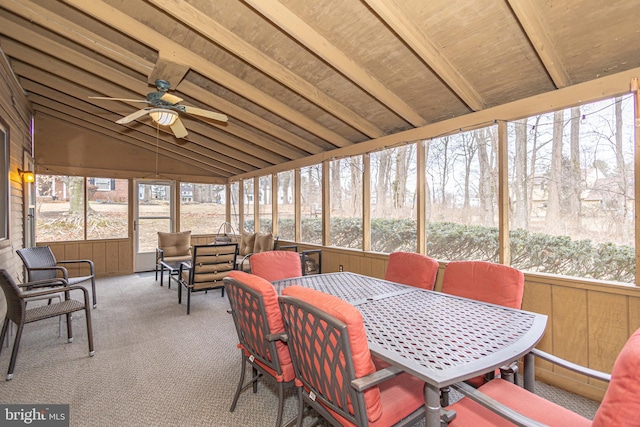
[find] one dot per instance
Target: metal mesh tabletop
(452, 337)
(351, 287)
(440, 338)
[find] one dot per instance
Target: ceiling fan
(164, 109)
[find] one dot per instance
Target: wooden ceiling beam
(82, 36)
(127, 25)
(291, 24)
(198, 21)
(167, 69)
(527, 14)
(93, 124)
(187, 154)
(69, 94)
(427, 50)
(70, 56)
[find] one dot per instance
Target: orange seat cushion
(274, 318)
(276, 265)
(410, 268)
(470, 413)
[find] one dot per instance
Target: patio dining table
(440, 338)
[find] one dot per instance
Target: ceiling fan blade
(178, 129)
(131, 117)
(118, 99)
(171, 98)
(205, 113)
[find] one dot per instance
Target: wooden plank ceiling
(301, 77)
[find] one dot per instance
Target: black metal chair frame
(249, 314)
(203, 264)
(306, 258)
(19, 314)
(41, 264)
(307, 346)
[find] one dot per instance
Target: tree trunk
(521, 214)
(555, 174)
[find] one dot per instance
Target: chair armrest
(44, 283)
(57, 291)
(375, 378)
(245, 258)
(603, 376)
(159, 254)
(64, 271)
(495, 406)
(278, 336)
(79, 261)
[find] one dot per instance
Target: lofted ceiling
(303, 77)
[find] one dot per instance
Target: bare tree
(575, 178)
(555, 173)
(521, 214)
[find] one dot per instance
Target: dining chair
(487, 282)
(41, 264)
(619, 407)
(413, 269)
(206, 269)
(258, 321)
(276, 265)
(335, 373)
(20, 315)
(172, 247)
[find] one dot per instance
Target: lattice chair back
(329, 350)
(410, 268)
(276, 265)
(38, 257)
(257, 318)
(256, 314)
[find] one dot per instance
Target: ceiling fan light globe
(163, 117)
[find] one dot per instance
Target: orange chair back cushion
(276, 265)
(410, 268)
(342, 310)
(621, 403)
(484, 281)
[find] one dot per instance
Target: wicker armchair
(41, 264)
(18, 313)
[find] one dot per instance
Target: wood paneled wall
(15, 111)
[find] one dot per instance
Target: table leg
(432, 409)
(161, 273)
(529, 372)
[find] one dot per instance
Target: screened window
(248, 205)
(311, 204)
(107, 208)
(234, 191)
(286, 205)
(393, 199)
(572, 190)
(202, 208)
(59, 208)
(346, 202)
(265, 206)
(461, 196)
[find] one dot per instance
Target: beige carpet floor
(154, 364)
